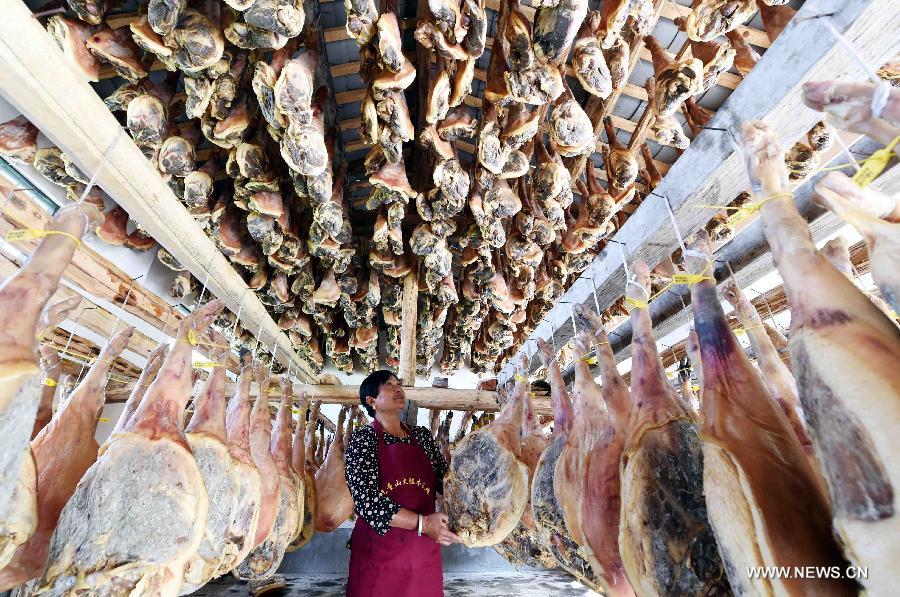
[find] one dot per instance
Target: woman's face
(390, 397)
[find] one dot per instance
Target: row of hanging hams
(160, 507)
(280, 215)
(786, 462)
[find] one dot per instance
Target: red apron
(398, 563)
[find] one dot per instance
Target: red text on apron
(399, 563)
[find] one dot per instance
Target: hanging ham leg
(525, 545)
(260, 438)
(154, 361)
(23, 297)
(265, 559)
(867, 199)
(306, 528)
(207, 437)
(882, 237)
(486, 489)
(311, 440)
(105, 542)
(602, 500)
(849, 107)
(775, 374)
(845, 354)
(335, 504)
(298, 475)
(546, 507)
(51, 367)
(242, 529)
(837, 252)
(50, 362)
(666, 543)
(765, 503)
(63, 451)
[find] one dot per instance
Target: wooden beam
(438, 398)
(37, 79)
(710, 171)
(408, 313)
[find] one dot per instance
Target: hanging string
(116, 323)
(237, 318)
(882, 88)
(103, 160)
(258, 334)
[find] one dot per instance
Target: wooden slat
(710, 171)
(37, 79)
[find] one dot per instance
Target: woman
(394, 474)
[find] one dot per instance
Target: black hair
(371, 385)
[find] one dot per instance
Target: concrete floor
(525, 583)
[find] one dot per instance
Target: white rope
(882, 88)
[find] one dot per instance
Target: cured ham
(856, 207)
(546, 507)
(18, 139)
(23, 297)
(265, 559)
(51, 366)
(260, 439)
(486, 488)
(526, 544)
(206, 435)
(764, 500)
(601, 502)
(334, 504)
(154, 361)
(844, 357)
(776, 375)
(306, 527)
(662, 477)
(106, 544)
(63, 451)
(242, 527)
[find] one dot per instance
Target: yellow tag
(637, 304)
(689, 279)
(192, 337)
(737, 218)
(519, 378)
(739, 331)
(49, 383)
(874, 165)
(202, 364)
(25, 234)
(695, 388)
(103, 420)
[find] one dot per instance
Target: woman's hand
(435, 526)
